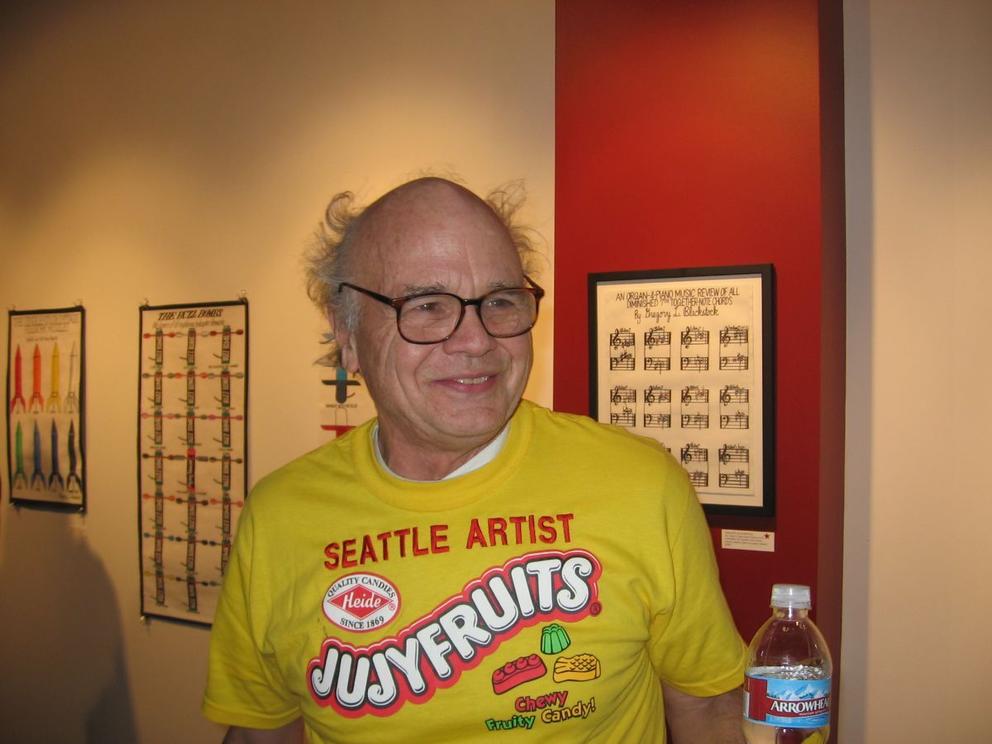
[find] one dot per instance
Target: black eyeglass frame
(397, 304)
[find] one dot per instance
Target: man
(468, 564)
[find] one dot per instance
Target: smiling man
(467, 563)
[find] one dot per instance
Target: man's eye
(426, 306)
(502, 302)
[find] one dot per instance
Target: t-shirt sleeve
(694, 644)
(244, 686)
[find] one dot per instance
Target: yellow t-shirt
(543, 595)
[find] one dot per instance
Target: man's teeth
(471, 380)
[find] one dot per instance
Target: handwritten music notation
(734, 335)
(657, 336)
(735, 462)
(695, 363)
(734, 394)
(699, 478)
(622, 350)
(622, 338)
(694, 336)
(737, 479)
(734, 453)
(623, 417)
(739, 420)
(736, 362)
(692, 380)
(692, 452)
(623, 394)
(657, 349)
(657, 420)
(623, 362)
(695, 394)
(695, 421)
(657, 394)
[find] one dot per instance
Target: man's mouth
(471, 380)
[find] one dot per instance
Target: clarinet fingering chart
(191, 453)
(45, 408)
(680, 359)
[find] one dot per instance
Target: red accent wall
(711, 134)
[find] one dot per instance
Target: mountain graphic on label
(805, 692)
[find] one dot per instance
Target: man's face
(458, 394)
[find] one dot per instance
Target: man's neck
(417, 464)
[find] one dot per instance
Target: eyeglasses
(433, 317)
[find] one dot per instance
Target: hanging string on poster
(686, 357)
(192, 455)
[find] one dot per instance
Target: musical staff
(695, 421)
(695, 363)
(622, 350)
(695, 394)
(657, 420)
(734, 453)
(657, 407)
(699, 478)
(735, 460)
(694, 336)
(623, 362)
(623, 394)
(657, 349)
(739, 420)
(692, 452)
(737, 362)
(734, 394)
(657, 336)
(737, 479)
(734, 335)
(624, 417)
(657, 394)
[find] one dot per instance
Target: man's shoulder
(585, 435)
(315, 469)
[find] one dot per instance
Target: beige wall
(917, 598)
(179, 152)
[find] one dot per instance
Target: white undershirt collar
(483, 457)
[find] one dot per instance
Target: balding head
(351, 240)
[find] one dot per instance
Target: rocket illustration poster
(45, 411)
(192, 465)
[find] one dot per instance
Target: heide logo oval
(361, 602)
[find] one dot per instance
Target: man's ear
(345, 340)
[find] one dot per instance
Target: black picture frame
(54, 409)
(190, 492)
(720, 387)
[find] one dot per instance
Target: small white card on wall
(747, 540)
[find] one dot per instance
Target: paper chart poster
(45, 411)
(684, 358)
(192, 464)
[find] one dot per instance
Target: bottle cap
(795, 596)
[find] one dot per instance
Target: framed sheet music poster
(686, 357)
(192, 445)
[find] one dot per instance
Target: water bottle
(787, 682)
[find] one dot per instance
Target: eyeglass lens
(432, 318)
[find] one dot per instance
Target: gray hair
(332, 257)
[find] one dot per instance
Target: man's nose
(470, 336)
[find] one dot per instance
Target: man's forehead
(430, 202)
(423, 220)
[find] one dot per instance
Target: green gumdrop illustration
(554, 639)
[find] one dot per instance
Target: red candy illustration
(517, 672)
